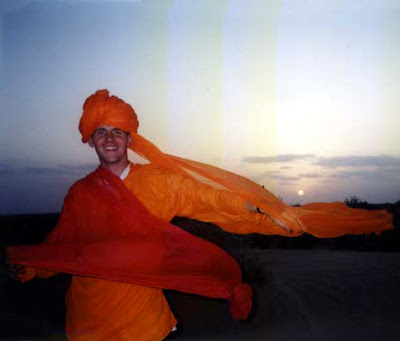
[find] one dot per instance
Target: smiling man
(115, 238)
(102, 237)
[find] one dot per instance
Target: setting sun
(300, 192)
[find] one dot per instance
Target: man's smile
(110, 148)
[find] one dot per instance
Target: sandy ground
(300, 295)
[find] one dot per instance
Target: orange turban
(103, 109)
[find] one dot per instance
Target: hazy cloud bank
(33, 188)
(331, 162)
(277, 158)
(375, 177)
(359, 161)
(30, 188)
(18, 169)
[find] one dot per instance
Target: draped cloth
(319, 219)
(105, 232)
(322, 220)
(128, 244)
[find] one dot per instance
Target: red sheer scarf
(105, 232)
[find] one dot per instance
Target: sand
(300, 295)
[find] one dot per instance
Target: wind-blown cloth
(323, 220)
(319, 219)
(105, 232)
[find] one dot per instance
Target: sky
(295, 95)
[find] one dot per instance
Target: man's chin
(111, 157)
(111, 160)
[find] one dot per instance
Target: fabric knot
(240, 301)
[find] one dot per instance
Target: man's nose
(109, 135)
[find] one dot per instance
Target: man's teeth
(110, 148)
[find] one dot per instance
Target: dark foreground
(315, 294)
(300, 295)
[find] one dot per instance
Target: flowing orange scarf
(319, 219)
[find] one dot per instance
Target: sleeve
(196, 200)
(167, 194)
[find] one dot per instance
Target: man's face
(110, 144)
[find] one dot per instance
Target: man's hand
(22, 273)
(17, 272)
(251, 208)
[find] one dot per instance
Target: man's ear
(91, 144)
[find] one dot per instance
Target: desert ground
(314, 294)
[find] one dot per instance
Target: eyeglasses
(102, 132)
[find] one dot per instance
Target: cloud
(359, 161)
(286, 183)
(9, 169)
(277, 158)
(373, 178)
(381, 168)
(285, 177)
(87, 167)
(372, 175)
(310, 175)
(337, 176)
(39, 170)
(281, 176)
(278, 176)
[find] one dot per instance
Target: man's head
(108, 123)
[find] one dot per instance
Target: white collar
(125, 173)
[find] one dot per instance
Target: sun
(300, 192)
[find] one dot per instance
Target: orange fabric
(145, 313)
(138, 312)
(180, 195)
(154, 190)
(316, 219)
(322, 220)
(107, 310)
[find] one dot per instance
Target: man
(114, 237)
(103, 309)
